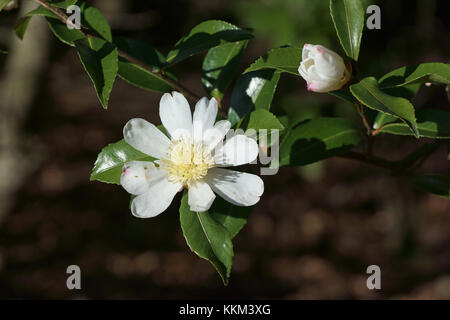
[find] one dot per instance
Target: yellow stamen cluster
(187, 161)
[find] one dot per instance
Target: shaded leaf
(253, 90)
(136, 74)
(110, 161)
(435, 184)
(317, 139)
(204, 36)
(431, 123)
(219, 67)
(95, 20)
(368, 93)
(348, 19)
(100, 60)
(421, 73)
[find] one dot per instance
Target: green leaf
(3, 4)
(204, 36)
(63, 33)
(253, 90)
(141, 77)
(435, 184)
(431, 123)
(21, 26)
(219, 67)
(141, 51)
(263, 119)
(43, 12)
(368, 93)
(383, 118)
(110, 161)
(317, 139)
(231, 217)
(208, 238)
(100, 60)
(344, 95)
(421, 73)
(62, 4)
(97, 22)
(285, 59)
(137, 75)
(348, 19)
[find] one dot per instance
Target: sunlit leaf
(110, 161)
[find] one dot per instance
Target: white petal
(204, 117)
(237, 151)
(329, 65)
(238, 188)
(200, 196)
(136, 176)
(175, 115)
(156, 199)
(213, 136)
(145, 137)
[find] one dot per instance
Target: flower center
(187, 161)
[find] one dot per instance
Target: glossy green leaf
(219, 67)
(263, 119)
(368, 93)
(253, 91)
(348, 19)
(110, 161)
(435, 184)
(382, 119)
(285, 59)
(137, 75)
(141, 77)
(96, 21)
(63, 33)
(208, 238)
(204, 36)
(431, 123)
(317, 139)
(421, 73)
(100, 60)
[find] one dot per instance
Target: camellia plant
(191, 152)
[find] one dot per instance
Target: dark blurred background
(312, 235)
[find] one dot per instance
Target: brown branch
(396, 167)
(88, 33)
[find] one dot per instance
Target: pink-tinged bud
(324, 70)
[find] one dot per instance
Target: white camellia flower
(324, 70)
(192, 158)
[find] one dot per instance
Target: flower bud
(324, 70)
